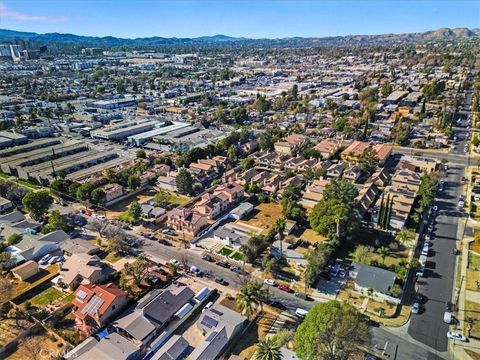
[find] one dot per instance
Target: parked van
(447, 317)
(301, 313)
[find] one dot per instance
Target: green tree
(138, 269)
(368, 160)
(317, 260)
(135, 211)
(84, 191)
(98, 196)
(268, 349)
(37, 203)
(117, 245)
(162, 199)
(362, 254)
(133, 181)
(184, 181)
(248, 163)
(56, 221)
(141, 154)
(331, 330)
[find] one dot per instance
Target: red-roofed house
(290, 144)
(96, 304)
(356, 149)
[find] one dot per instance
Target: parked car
(169, 232)
(285, 288)
(221, 281)
(270, 282)
(223, 264)
(44, 260)
(456, 336)
(235, 268)
(277, 304)
(435, 208)
(164, 242)
(174, 262)
(55, 259)
(427, 237)
(419, 298)
(416, 308)
(207, 258)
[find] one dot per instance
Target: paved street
(429, 327)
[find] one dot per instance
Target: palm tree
(383, 252)
(251, 297)
(268, 349)
(404, 236)
(280, 228)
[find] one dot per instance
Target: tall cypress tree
(389, 215)
(380, 212)
(385, 213)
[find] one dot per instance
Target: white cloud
(18, 16)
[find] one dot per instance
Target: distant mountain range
(110, 41)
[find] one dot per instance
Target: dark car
(277, 304)
(223, 264)
(164, 242)
(221, 281)
(419, 298)
(207, 258)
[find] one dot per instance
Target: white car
(44, 260)
(54, 260)
(174, 262)
(435, 208)
(427, 237)
(270, 282)
(456, 336)
(416, 308)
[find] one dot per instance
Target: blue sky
(248, 18)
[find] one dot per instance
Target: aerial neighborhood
(240, 198)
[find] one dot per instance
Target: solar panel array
(81, 294)
(93, 305)
(209, 322)
(215, 311)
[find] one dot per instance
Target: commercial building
(123, 130)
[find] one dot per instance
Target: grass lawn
(46, 297)
(4, 176)
(112, 258)
(28, 184)
(177, 199)
(226, 251)
(474, 262)
(237, 256)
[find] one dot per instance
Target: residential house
(353, 173)
(175, 348)
(167, 182)
(35, 246)
(26, 270)
(314, 193)
(5, 205)
(83, 268)
(78, 246)
(355, 150)
(336, 170)
(144, 320)
(366, 197)
(290, 144)
(221, 326)
(112, 192)
(328, 147)
(371, 277)
(186, 221)
(111, 347)
(97, 304)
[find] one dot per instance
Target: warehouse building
(123, 130)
